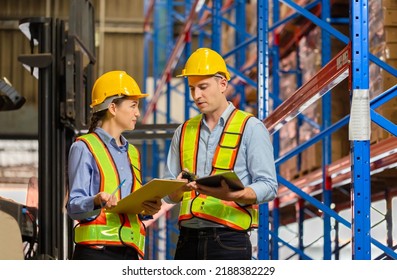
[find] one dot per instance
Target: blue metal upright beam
(187, 52)
(326, 122)
(147, 39)
(240, 38)
(216, 26)
(275, 54)
(241, 24)
(359, 132)
(263, 111)
(158, 9)
(170, 42)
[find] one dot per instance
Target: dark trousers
(213, 244)
(82, 252)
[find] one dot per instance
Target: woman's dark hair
(98, 116)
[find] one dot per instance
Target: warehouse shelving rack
(315, 191)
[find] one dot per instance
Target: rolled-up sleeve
(260, 162)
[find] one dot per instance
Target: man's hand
(244, 196)
(151, 207)
(178, 194)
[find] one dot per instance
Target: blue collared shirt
(84, 175)
(255, 160)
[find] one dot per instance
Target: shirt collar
(226, 114)
(109, 140)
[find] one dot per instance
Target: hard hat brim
(142, 95)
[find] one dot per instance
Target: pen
(114, 192)
(118, 187)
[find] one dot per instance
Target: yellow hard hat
(113, 83)
(204, 62)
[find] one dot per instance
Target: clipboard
(230, 177)
(132, 204)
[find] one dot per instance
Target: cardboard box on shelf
(392, 62)
(378, 134)
(380, 79)
(289, 169)
(389, 111)
(390, 4)
(388, 80)
(375, 133)
(390, 34)
(389, 17)
(311, 158)
(340, 147)
(391, 51)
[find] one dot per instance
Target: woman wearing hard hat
(104, 168)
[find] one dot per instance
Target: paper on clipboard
(132, 204)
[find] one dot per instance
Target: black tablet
(215, 180)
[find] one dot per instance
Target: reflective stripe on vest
(104, 230)
(209, 208)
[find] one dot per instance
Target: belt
(207, 231)
(107, 248)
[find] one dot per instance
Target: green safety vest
(227, 213)
(105, 229)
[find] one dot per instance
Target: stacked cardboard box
(383, 44)
(293, 133)
(310, 64)
(310, 57)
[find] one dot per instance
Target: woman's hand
(105, 200)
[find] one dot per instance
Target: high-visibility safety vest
(112, 228)
(227, 213)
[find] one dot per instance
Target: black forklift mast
(63, 61)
